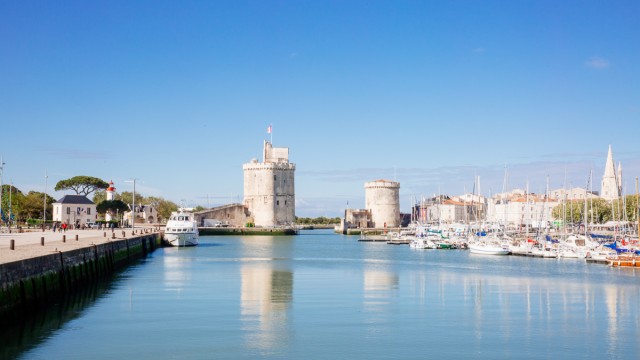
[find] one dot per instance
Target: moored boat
(182, 229)
(489, 246)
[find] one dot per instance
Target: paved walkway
(28, 244)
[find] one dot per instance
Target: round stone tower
(269, 188)
(382, 199)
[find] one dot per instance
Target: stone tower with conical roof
(610, 186)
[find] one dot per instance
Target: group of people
(60, 227)
(63, 227)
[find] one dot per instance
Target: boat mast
(586, 219)
(528, 212)
(637, 210)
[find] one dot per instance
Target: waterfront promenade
(28, 244)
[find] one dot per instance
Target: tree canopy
(112, 207)
(599, 211)
(82, 185)
(317, 221)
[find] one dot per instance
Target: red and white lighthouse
(111, 192)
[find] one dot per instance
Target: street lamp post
(133, 207)
(44, 206)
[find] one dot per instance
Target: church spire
(610, 186)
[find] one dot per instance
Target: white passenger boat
(182, 229)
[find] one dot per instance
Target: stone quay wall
(42, 279)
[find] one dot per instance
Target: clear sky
(179, 94)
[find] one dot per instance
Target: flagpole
(271, 132)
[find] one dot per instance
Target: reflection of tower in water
(266, 291)
(380, 285)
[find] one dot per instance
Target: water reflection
(177, 269)
(545, 308)
(266, 291)
(380, 286)
(41, 322)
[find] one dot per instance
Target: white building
(521, 210)
(75, 210)
(145, 214)
(571, 194)
(269, 188)
(448, 211)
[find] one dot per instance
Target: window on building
(277, 202)
(274, 178)
(68, 210)
(88, 211)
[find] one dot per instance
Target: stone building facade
(382, 200)
(269, 188)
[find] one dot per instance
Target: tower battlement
(269, 188)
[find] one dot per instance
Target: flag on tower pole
(269, 131)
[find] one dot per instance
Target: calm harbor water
(319, 295)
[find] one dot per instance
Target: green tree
(317, 221)
(82, 185)
(33, 204)
(12, 199)
(164, 207)
(598, 211)
(127, 197)
(112, 207)
(625, 210)
(99, 196)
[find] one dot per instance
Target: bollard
(113, 235)
(76, 237)
(64, 238)
(105, 234)
(42, 241)
(123, 235)
(12, 245)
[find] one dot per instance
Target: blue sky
(179, 94)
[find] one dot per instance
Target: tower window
(277, 202)
(274, 178)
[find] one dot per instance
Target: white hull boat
(182, 229)
(490, 246)
(489, 249)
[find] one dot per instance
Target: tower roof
(610, 188)
(609, 167)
